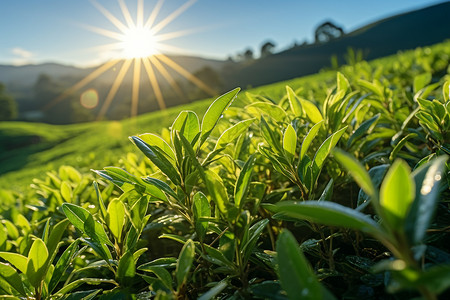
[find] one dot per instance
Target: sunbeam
(138, 40)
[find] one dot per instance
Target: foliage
(8, 105)
(254, 199)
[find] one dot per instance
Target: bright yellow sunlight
(138, 42)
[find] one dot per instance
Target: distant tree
(8, 106)
(327, 32)
(248, 54)
(267, 48)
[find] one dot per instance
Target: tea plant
(256, 199)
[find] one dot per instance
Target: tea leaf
(186, 123)
(116, 218)
(311, 111)
(214, 112)
(10, 275)
(126, 269)
(37, 257)
(243, 182)
(156, 141)
(309, 138)
(294, 103)
(296, 276)
(201, 209)
(217, 190)
(290, 142)
(396, 194)
(327, 213)
(427, 180)
(184, 262)
(62, 265)
(358, 172)
(158, 159)
(232, 133)
(17, 260)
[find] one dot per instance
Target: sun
(138, 42)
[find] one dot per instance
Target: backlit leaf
(397, 193)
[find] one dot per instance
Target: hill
(418, 28)
(28, 150)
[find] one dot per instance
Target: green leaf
(396, 195)
(326, 147)
(362, 129)
(62, 265)
(213, 292)
(311, 111)
(309, 138)
(101, 204)
(10, 275)
(358, 172)
(126, 269)
(296, 275)
(56, 235)
(446, 91)
(370, 87)
(66, 191)
(161, 185)
(400, 145)
(342, 82)
(420, 81)
(184, 262)
(161, 273)
(272, 110)
(92, 281)
(269, 136)
(17, 260)
(290, 142)
(115, 218)
(253, 235)
(187, 124)
(159, 159)
(83, 221)
(436, 278)
(201, 210)
(156, 141)
(37, 257)
(327, 213)
(214, 112)
(427, 180)
(294, 103)
(217, 190)
(243, 182)
(232, 133)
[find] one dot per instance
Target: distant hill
(19, 77)
(409, 30)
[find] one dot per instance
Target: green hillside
(29, 150)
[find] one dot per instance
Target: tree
(8, 106)
(267, 48)
(248, 54)
(327, 32)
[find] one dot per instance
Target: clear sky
(36, 31)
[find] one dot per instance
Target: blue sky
(35, 31)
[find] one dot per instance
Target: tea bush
(337, 190)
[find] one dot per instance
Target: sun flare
(139, 42)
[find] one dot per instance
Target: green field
(330, 186)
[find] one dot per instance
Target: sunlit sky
(56, 31)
